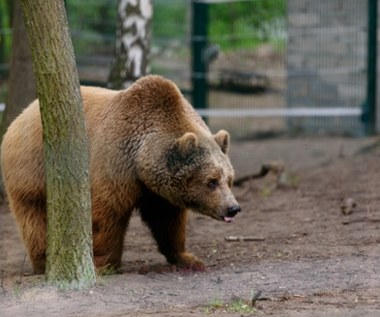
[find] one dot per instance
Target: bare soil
(307, 257)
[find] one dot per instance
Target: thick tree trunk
(132, 47)
(69, 237)
(22, 88)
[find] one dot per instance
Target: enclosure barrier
(310, 66)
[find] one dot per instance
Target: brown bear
(149, 150)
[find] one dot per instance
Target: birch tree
(132, 46)
(69, 237)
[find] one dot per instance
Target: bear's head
(195, 172)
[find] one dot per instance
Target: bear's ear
(223, 139)
(188, 142)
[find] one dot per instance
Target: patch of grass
(214, 305)
(240, 306)
(105, 270)
(236, 305)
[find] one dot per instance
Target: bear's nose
(233, 210)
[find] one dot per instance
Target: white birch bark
(132, 46)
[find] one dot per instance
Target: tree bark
(21, 83)
(69, 237)
(132, 46)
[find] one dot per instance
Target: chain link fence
(268, 66)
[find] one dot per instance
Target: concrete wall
(326, 60)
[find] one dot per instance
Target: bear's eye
(213, 183)
(230, 182)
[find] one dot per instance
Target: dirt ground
(307, 257)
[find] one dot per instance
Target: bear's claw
(190, 262)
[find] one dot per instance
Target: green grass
(236, 305)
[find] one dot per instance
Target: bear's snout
(233, 210)
(231, 213)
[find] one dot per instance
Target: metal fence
(302, 68)
(250, 66)
(326, 64)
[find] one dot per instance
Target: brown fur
(148, 150)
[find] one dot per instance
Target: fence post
(198, 47)
(369, 107)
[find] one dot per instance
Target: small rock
(348, 206)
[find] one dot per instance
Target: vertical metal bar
(198, 47)
(369, 107)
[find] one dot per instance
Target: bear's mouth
(230, 215)
(228, 219)
(223, 218)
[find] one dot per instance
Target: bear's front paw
(189, 261)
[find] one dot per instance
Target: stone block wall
(326, 61)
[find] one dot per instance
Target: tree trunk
(132, 42)
(69, 237)
(21, 83)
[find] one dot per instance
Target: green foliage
(169, 19)
(92, 25)
(246, 23)
(96, 16)
(241, 24)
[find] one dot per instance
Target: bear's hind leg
(108, 230)
(31, 219)
(168, 226)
